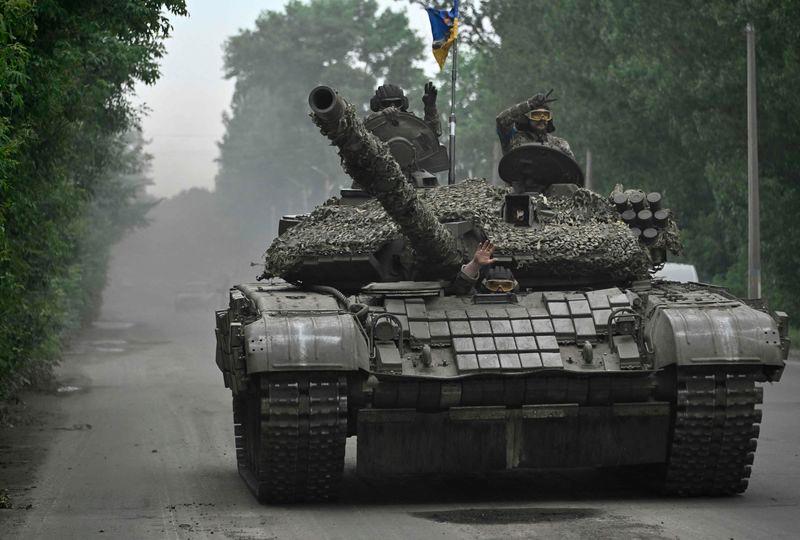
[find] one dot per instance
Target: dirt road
(138, 444)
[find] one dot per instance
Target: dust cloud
(182, 265)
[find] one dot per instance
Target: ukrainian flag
(444, 27)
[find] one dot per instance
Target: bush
(71, 162)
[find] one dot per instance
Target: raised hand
(429, 96)
(537, 101)
(483, 255)
(540, 100)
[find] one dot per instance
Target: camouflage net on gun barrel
(584, 238)
(367, 160)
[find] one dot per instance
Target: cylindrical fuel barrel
(637, 200)
(620, 200)
(644, 218)
(649, 235)
(629, 216)
(654, 200)
(660, 217)
(637, 232)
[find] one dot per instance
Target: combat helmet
(388, 95)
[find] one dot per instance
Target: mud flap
(481, 439)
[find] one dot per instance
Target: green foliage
(475, 113)
(657, 91)
(71, 161)
(272, 158)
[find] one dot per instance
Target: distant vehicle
(196, 295)
(682, 273)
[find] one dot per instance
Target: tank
(362, 326)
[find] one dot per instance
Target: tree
(66, 73)
(272, 158)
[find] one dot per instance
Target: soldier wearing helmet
(530, 122)
(481, 275)
(390, 97)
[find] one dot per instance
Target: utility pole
(451, 174)
(589, 183)
(753, 217)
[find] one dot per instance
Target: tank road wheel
(294, 429)
(715, 428)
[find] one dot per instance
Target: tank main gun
(367, 160)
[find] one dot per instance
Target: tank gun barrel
(326, 104)
(367, 160)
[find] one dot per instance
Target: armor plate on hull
(305, 342)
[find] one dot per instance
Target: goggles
(500, 285)
(539, 115)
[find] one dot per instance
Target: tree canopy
(272, 158)
(72, 165)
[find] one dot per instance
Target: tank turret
(368, 161)
(394, 232)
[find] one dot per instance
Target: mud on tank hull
(660, 374)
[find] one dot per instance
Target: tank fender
(721, 334)
(305, 341)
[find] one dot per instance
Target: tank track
(290, 437)
(714, 436)
(239, 419)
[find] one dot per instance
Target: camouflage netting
(583, 238)
(367, 160)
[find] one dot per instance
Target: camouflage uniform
(433, 120)
(464, 283)
(511, 135)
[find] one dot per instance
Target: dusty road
(138, 444)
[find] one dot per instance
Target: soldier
(388, 96)
(481, 274)
(530, 122)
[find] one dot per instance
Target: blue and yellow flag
(444, 27)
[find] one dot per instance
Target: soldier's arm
(470, 273)
(512, 115)
(463, 283)
(506, 120)
(433, 120)
(431, 112)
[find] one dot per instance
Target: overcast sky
(184, 121)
